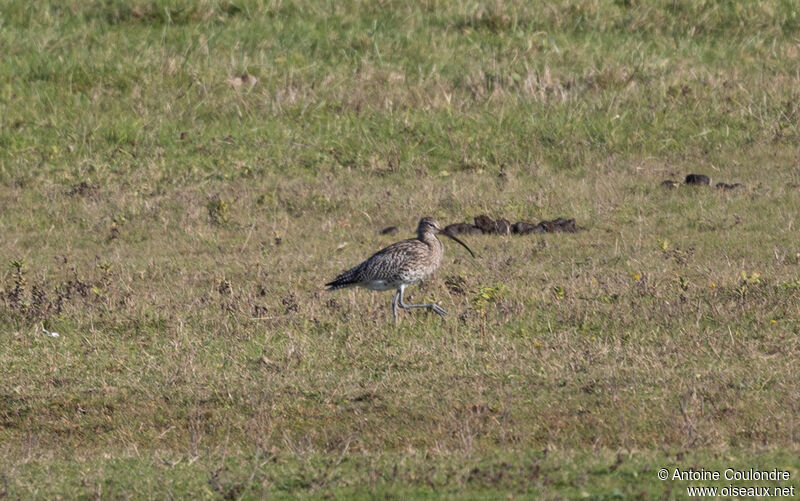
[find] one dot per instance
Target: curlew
(401, 264)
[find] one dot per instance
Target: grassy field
(179, 179)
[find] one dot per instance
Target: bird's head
(428, 225)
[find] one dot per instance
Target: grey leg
(394, 305)
(433, 307)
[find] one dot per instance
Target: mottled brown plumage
(399, 265)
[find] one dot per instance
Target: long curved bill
(457, 240)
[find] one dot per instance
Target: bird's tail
(346, 279)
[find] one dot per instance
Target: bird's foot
(438, 309)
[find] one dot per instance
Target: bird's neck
(430, 239)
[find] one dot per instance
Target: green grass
(176, 230)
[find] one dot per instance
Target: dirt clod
(462, 228)
(698, 179)
(81, 189)
(524, 227)
(502, 226)
(727, 187)
(290, 302)
(456, 285)
(224, 287)
(559, 225)
(485, 223)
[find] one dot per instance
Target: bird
(401, 264)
